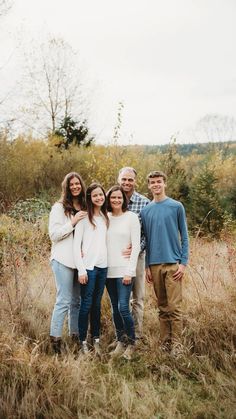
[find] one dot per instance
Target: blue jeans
(120, 301)
(91, 295)
(67, 299)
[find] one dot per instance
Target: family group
(114, 240)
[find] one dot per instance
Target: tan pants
(169, 298)
(138, 294)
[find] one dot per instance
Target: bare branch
(52, 82)
(5, 6)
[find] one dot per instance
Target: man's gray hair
(127, 169)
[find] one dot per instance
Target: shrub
(30, 210)
(21, 241)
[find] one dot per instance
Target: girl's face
(116, 200)
(75, 186)
(97, 197)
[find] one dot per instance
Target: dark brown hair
(90, 205)
(157, 173)
(66, 196)
(113, 189)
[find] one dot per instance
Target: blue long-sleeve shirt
(165, 230)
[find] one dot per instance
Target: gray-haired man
(136, 202)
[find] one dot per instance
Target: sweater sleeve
(183, 235)
(58, 228)
(77, 248)
(135, 241)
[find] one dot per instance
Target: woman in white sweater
(123, 231)
(90, 255)
(64, 216)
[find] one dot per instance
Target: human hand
(127, 251)
(179, 273)
(148, 275)
(83, 279)
(127, 280)
(77, 217)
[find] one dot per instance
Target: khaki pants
(169, 298)
(138, 294)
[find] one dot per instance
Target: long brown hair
(90, 205)
(66, 196)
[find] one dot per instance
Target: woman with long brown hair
(64, 216)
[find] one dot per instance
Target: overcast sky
(169, 62)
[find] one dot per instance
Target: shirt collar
(133, 197)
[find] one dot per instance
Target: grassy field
(201, 383)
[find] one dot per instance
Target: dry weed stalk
(200, 383)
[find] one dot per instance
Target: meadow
(35, 384)
(199, 383)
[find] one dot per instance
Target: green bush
(21, 241)
(30, 210)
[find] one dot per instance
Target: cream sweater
(61, 235)
(92, 242)
(123, 231)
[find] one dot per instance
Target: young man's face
(157, 185)
(127, 181)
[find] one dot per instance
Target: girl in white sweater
(123, 231)
(90, 255)
(64, 216)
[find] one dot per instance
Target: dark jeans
(91, 295)
(120, 301)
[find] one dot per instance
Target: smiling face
(75, 187)
(127, 181)
(97, 197)
(157, 186)
(116, 201)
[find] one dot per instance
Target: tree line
(227, 147)
(204, 183)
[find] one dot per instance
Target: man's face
(127, 181)
(157, 185)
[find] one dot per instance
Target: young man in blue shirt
(165, 229)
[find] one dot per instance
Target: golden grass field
(200, 383)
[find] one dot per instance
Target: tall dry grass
(198, 384)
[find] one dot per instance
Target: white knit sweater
(92, 242)
(61, 235)
(123, 231)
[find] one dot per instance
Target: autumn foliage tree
(173, 166)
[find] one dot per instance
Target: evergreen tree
(73, 133)
(176, 176)
(207, 216)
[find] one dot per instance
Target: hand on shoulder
(77, 217)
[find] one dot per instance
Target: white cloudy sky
(169, 61)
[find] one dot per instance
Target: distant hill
(228, 147)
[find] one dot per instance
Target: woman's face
(97, 197)
(116, 200)
(75, 186)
